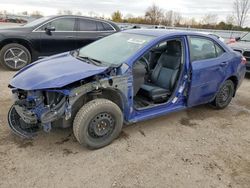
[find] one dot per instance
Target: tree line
(154, 15)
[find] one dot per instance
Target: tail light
(243, 61)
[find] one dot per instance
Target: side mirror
(49, 29)
(237, 38)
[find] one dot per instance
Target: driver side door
(61, 40)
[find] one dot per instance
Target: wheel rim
(101, 126)
(15, 58)
(19, 127)
(224, 95)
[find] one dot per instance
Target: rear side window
(219, 50)
(107, 27)
(62, 24)
(87, 25)
(101, 26)
(202, 48)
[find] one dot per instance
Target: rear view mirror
(237, 38)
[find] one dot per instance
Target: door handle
(69, 37)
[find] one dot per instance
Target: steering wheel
(146, 63)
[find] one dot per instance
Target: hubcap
(15, 58)
(101, 125)
(224, 95)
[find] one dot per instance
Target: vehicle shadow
(247, 75)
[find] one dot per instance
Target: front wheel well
(18, 41)
(110, 94)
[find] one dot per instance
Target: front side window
(202, 48)
(62, 24)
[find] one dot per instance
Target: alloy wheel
(15, 58)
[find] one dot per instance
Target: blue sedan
(127, 77)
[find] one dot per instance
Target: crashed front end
(48, 108)
(33, 110)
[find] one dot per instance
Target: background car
(49, 35)
(242, 45)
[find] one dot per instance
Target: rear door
(209, 62)
(62, 39)
(90, 30)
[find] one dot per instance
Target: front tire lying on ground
(14, 56)
(225, 95)
(19, 127)
(98, 123)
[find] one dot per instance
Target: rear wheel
(14, 56)
(225, 95)
(98, 123)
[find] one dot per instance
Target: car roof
(162, 32)
(78, 16)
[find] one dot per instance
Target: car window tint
(219, 50)
(107, 27)
(201, 48)
(87, 25)
(62, 24)
(100, 26)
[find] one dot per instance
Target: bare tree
(66, 12)
(230, 19)
(168, 18)
(154, 14)
(36, 14)
(171, 18)
(78, 13)
(241, 9)
(210, 19)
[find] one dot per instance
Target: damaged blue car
(126, 77)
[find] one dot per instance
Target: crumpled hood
(54, 72)
(241, 45)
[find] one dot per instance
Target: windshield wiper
(94, 61)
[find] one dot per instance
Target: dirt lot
(199, 147)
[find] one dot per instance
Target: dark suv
(49, 35)
(243, 46)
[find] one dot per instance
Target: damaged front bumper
(35, 108)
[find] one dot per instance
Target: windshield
(36, 22)
(246, 37)
(116, 48)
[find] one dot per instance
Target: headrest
(170, 61)
(173, 47)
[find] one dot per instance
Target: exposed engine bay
(33, 110)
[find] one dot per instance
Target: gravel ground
(199, 147)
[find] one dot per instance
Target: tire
(98, 123)
(19, 127)
(224, 96)
(14, 56)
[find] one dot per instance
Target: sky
(188, 8)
